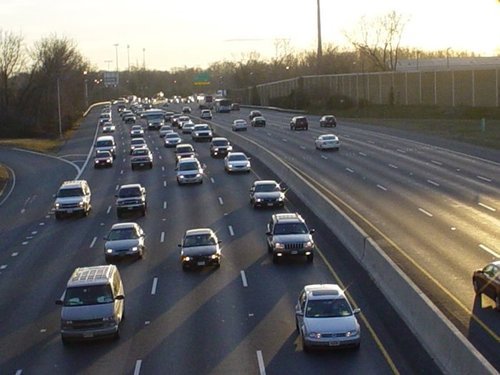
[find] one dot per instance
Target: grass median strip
(4, 177)
(33, 144)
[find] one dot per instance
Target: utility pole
(128, 57)
(320, 48)
(59, 108)
(144, 58)
(116, 50)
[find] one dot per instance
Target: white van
(106, 143)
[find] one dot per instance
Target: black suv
(288, 235)
(328, 120)
(299, 122)
(131, 198)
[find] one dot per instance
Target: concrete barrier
(453, 353)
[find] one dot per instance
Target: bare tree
(12, 59)
(379, 39)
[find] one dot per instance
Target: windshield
(88, 295)
(141, 152)
(123, 234)
(290, 228)
(199, 240)
(137, 141)
(220, 143)
(129, 192)
(237, 158)
(156, 116)
(188, 166)
(172, 135)
(328, 308)
(103, 154)
(266, 188)
(202, 128)
(184, 149)
(329, 138)
(71, 192)
(104, 143)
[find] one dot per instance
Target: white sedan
(108, 127)
(327, 142)
(237, 162)
(239, 125)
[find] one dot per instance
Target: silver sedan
(327, 142)
(124, 239)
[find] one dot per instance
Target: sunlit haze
(195, 33)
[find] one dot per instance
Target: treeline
(29, 82)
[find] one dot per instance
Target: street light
(448, 57)
(320, 48)
(144, 58)
(116, 51)
(59, 108)
(128, 57)
(86, 89)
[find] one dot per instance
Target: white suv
(73, 197)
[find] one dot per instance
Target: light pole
(86, 93)
(144, 58)
(448, 58)
(59, 108)
(128, 57)
(116, 51)
(320, 48)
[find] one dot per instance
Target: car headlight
(308, 244)
(279, 246)
(135, 248)
(66, 323)
(109, 251)
(80, 204)
(186, 259)
(57, 205)
(354, 332)
(280, 198)
(315, 335)
(96, 161)
(214, 256)
(198, 175)
(181, 177)
(258, 199)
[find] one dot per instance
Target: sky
(173, 34)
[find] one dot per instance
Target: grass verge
(4, 177)
(41, 145)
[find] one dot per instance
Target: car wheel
(305, 347)
(201, 181)
(310, 258)
(184, 267)
(143, 212)
(477, 289)
(356, 346)
(58, 216)
(133, 167)
(269, 248)
(107, 259)
(276, 259)
(151, 166)
(65, 341)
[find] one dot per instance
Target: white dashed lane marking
(244, 279)
(488, 250)
(487, 207)
(260, 360)
(231, 231)
(153, 287)
(484, 178)
(433, 183)
(425, 212)
(93, 242)
(382, 187)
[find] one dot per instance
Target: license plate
(70, 211)
(269, 204)
(141, 164)
(294, 252)
(334, 343)
(130, 208)
(201, 263)
(88, 335)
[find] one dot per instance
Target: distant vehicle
(220, 147)
(239, 124)
(206, 114)
(299, 122)
(186, 109)
(141, 157)
(124, 239)
(254, 114)
(108, 127)
(131, 198)
(129, 118)
(136, 131)
(328, 120)
(266, 193)
(222, 105)
(168, 116)
(103, 159)
(324, 318)
(106, 143)
(137, 143)
(73, 197)
(205, 101)
(258, 121)
(187, 127)
(487, 281)
(164, 130)
(236, 162)
(235, 106)
(155, 118)
(200, 248)
(202, 132)
(104, 117)
(172, 139)
(327, 142)
(184, 150)
(189, 171)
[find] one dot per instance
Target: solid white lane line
(93, 243)
(109, 210)
(433, 182)
(362, 153)
(349, 170)
(244, 279)
(324, 157)
(382, 187)
(231, 231)
(393, 166)
(488, 250)
(153, 287)
(436, 162)
(260, 360)
(165, 205)
(221, 202)
(425, 212)
(484, 178)
(162, 237)
(212, 180)
(487, 207)
(371, 142)
(137, 368)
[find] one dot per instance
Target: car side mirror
(59, 302)
(312, 231)
(179, 245)
(219, 241)
(356, 311)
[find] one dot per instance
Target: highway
(433, 207)
(236, 319)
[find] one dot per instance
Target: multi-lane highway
(238, 319)
(434, 207)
